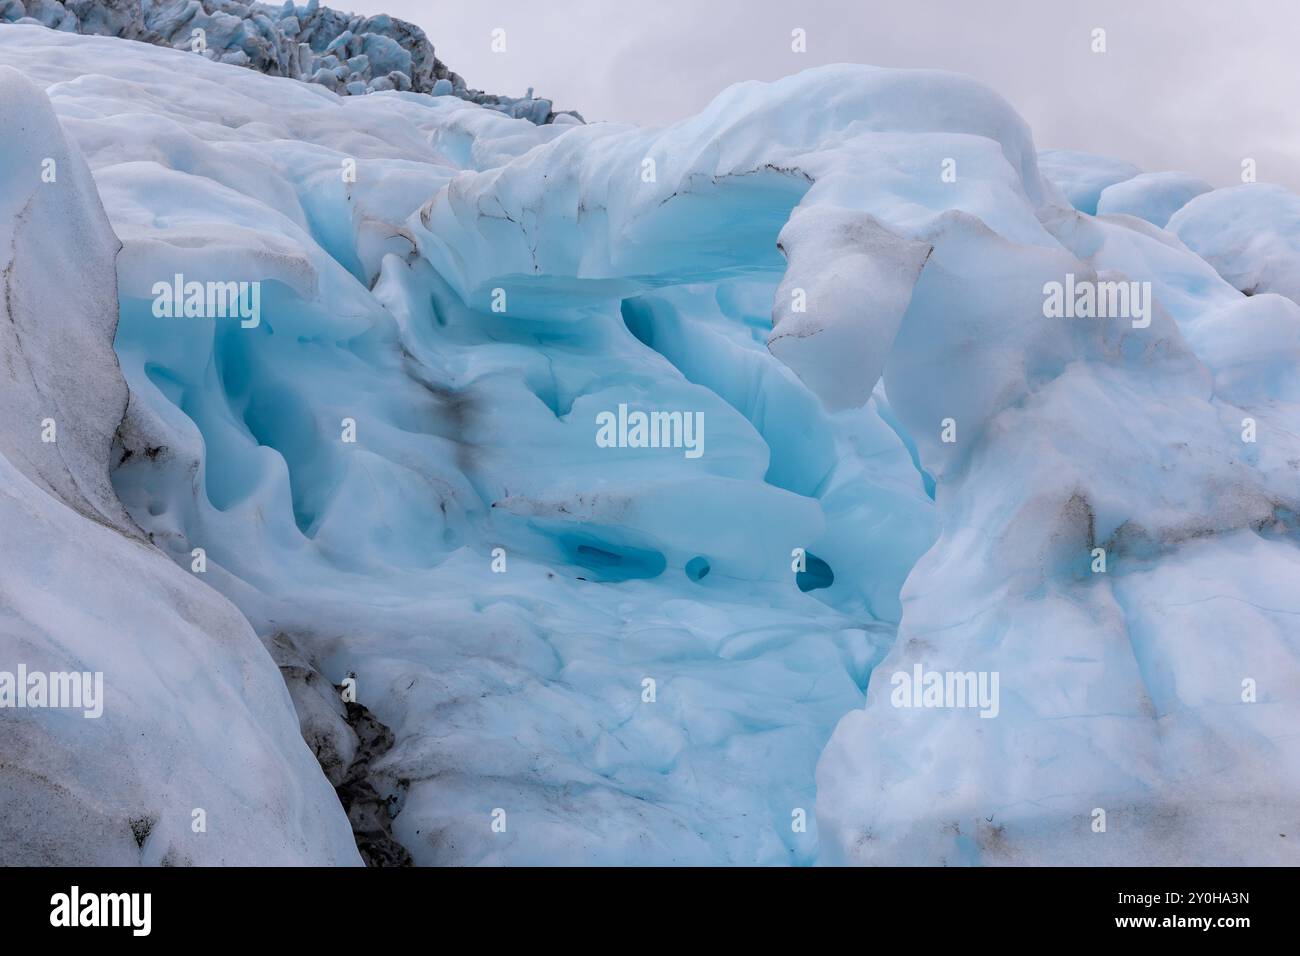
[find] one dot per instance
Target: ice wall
(186, 749)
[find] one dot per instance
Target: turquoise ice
(646, 657)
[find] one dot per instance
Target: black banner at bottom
(573, 905)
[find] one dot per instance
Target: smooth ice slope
(1083, 177)
(193, 712)
(1249, 233)
(643, 677)
(1151, 196)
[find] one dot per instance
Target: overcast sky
(1184, 84)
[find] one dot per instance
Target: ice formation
(1151, 196)
(591, 654)
(346, 53)
(1249, 233)
(1083, 177)
(192, 715)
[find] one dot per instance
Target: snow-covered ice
(1151, 196)
(1249, 233)
(636, 655)
(192, 714)
(1083, 177)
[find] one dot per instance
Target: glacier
(195, 719)
(351, 55)
(569, 653)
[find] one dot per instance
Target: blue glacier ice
(1083, 177)
(193, 715)
(1151, 196)
(1250, 235)
(632, 654)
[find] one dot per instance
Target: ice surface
(1151, 196)
(1083, 177)
(1249, 233)
(193, 714)
(343, 52)
(840, 271)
